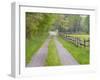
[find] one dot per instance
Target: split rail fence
(76, 40)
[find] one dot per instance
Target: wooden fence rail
(77, 41)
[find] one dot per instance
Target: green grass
(81, 36)
(52, 58)
(79, 53)
(32, 45)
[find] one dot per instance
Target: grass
(79, 53)
(52, 58)
(32, 45)
(81, 36)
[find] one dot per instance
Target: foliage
(38, 23)
(85, 24)
(73, 23)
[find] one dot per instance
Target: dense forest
(41, 23)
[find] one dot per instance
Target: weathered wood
(75, 40)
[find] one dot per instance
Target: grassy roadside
(33, 45)
(52, 58)
(80, 54)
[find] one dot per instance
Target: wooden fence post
(77, 42)
(84, 43)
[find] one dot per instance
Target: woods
(38, 23)
(41, 23)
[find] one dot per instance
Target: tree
(86, 24)
(69, 22)
(38, 23)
